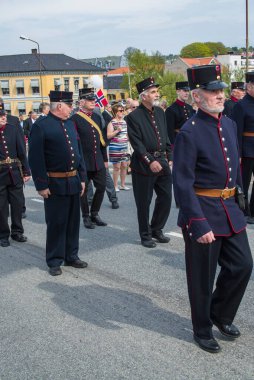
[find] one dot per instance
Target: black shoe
(160, 237)
(210, 345)
(250, 220)
(148, 243)
(115, 205)
(19, 237)
(230, 331)
(88, 223)
(23, 215)
(97, 220)
(55, 271)
(4, 242)
(76, 264)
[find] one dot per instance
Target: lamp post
(39, 54)
(247, 36)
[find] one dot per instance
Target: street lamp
(39, 54)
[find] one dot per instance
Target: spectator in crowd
(44, 110)
(163, 104)
(28, 123)
(237, 93)
(118, 147)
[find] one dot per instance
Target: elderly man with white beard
(207, 185)
(147, 131)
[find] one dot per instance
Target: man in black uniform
(89, 128)
(59, 174)
(212, 222)
(237, 93)
(147, 131)
(14, 171)
(179, 112)
(243, 114)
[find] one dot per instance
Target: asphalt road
(126, 316)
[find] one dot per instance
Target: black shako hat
(237, 85)
(249, 77)
(145, 84)
(182, 86)
(61, 96)
(87, 93)
(2, 110)
(207, 77)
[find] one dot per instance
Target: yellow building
(26, 79)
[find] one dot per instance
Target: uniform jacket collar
(208, 118)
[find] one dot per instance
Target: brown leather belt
(62, 174)
(216, 193)
(9, 161)
(249, 134)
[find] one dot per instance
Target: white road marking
(37, 200)
(176, 234)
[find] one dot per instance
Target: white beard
(156, 103)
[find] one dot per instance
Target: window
(57, 84)
(5, 87)
(122, 94)
(66, 84)
(20, 87)
(35, 86)
(85, 82)
(235, 63)
(36, 106)
(22, 107)
(76, 84)
(7, 108)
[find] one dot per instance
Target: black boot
(88, 223)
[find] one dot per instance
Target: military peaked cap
(249, 76)
(145, 84)
(87, 93)
(207, 77)
(61, 96)
(182, 86)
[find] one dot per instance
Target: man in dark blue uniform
(205, 176)
(147, 131)
(88, 124)
(237, 93)
(59, 174)
(179, 112)
(243, 114)
(14, 171)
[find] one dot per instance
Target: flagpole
(129, 81)
(247, 36)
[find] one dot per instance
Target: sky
(87, 29)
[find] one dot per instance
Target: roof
(119, 71)
(111, 61)
(49, 62)
(190, 62)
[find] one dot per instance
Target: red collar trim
(180, 103)
(233, 99)
(2, 128)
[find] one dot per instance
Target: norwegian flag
(101, 101)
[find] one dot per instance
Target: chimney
(34, 51)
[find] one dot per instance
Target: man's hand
(106, 164)
(155, 166)
(44, 193)
(26, 178)
(83, 185)
(170, 164)
(207, 238)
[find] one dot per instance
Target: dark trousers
(62, 214)
(110, 189)
(143, 187)
(247, 172)
(11, 195)
(99, 181)
(234, 257)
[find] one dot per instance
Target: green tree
(217, 48)
(196, 50)
(142, 66)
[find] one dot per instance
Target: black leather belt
(158, 154)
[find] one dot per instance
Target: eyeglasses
(134, 107)
(120, 111)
